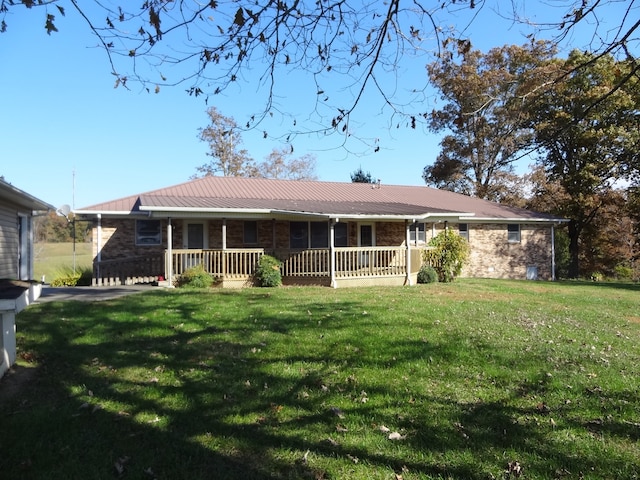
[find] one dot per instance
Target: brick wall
(118, 240)
(492, 255)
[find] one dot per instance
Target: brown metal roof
(325, 198)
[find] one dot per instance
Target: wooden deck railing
(231, 263)
(314, 262)
(370, 261)
(129, 271)
(350, 262)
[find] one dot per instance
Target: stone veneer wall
(493, 256)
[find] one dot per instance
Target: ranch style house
(324, 233)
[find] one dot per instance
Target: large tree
(588, 129)
(224, 139)
(281, 163)
(353, 46)
(484, 114)
(229, 160)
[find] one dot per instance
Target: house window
(513, 232)
(463, 230)
(340, 235)
(298, 235)
(148, 232)
(417, 233)
(309, 234)
(250, 235)
(319, 235)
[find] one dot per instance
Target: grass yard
(54, 259)
(478, 380)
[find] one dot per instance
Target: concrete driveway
(89, 294)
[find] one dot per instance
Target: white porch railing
(370, 261)
(238, 264)
(230, 263)
(350, 261)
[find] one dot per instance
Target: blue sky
(69, 137)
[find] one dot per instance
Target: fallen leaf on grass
(514, 468)
(120, 465)
(150, 473)
(337, 412)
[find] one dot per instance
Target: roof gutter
(514, 220)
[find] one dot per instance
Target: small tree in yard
(449, 255)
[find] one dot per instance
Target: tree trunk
(574, 264)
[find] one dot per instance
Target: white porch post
(553, 253)
(408, 243)
(332, 253)
(168, 265)
(98, 248)
(224, 248)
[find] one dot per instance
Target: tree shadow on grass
(185, 390)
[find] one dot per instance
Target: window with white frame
(513, 233)
(148, 232)
(463, 230)
(417, 233)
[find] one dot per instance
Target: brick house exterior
(225, 214)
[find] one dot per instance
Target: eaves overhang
(541, 220)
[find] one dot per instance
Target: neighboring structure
(326, 233)
(17, 209)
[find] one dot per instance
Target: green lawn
(471, 380)
(53, 259)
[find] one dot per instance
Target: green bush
(195, 277)
(268, 272)
(449, 254)
(623, 272)
(427, 274)
(68, 278)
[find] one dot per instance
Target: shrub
(427, 274)
(68, 278)
(195, 277)
(623, 272)
(449, 254)
(268, 272)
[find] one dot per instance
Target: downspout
(168, 264)
(332, 253)
(98, 246)
(553, 253)
(408, 243)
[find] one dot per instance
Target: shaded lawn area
(478, 379)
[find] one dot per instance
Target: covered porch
(235, 267)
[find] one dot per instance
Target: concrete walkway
(89, 294)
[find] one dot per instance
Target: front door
(365, 235)
(195, 235)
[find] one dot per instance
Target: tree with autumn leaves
(580, 125)
(229, 160)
